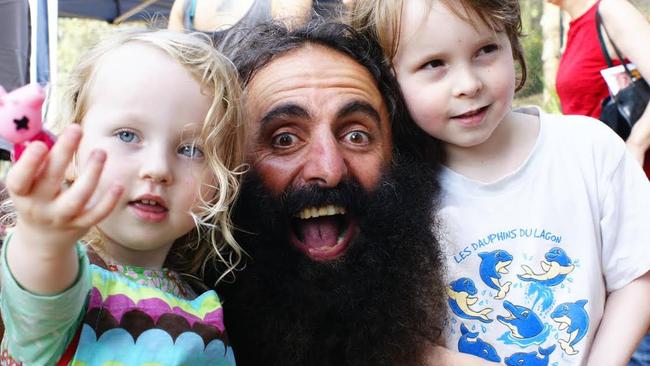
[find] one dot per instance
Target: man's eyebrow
(284, 111)
(362, 107)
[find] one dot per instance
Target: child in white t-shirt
(547, 216)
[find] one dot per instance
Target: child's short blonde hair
(222, 138)
(382, 20)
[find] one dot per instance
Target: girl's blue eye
(126, 136)
(191, 151)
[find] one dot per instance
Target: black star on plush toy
(22, 124)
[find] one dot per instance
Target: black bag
(621, 111)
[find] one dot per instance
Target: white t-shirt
(532, 256)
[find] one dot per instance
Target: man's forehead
(309, 70)
(325, 54)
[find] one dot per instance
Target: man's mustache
(348, 194)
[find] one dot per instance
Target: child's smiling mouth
(471, 118)
(149, 208)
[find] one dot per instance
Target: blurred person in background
(217, 16)
(580, 87)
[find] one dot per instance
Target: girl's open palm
(45, 211)
(50, 219)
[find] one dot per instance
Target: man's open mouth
(322, 233)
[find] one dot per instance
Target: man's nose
(325, 164)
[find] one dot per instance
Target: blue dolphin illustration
(470, 343)
(555, 269)
(493, 264)
(522, 321)
(574, 317)
(460, 299)
(531, 358)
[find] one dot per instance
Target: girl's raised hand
(50, 219)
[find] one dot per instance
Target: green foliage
(553, 104)
(76, 35)
(643, 5)
(533, 45)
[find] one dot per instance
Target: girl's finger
(57, 161)
(101, 209)
(72, 201)
(20, 178)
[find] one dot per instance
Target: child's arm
(639, 141)
(625, 321)
(41, 253)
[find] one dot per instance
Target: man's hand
(51, 219)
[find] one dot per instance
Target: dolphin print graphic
(460, 299)
(531, 358)
(470, 343)
(555, 269)
(574, 318)
(522, 321)
(493, 265)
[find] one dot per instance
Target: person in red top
(579, 84)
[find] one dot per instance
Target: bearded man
(335, 211)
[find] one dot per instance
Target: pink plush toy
(20, 118)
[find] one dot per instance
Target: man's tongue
(319, 232)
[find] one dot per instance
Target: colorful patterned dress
(132, 316)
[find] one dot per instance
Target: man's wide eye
(284, 140)
(126, 136)
(357, 138)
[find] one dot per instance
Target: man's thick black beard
(382, 303)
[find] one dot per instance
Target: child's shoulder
(578, 141)
(584, 141)
(575, 131)
(580, 129)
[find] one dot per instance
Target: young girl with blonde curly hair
(127, 207)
